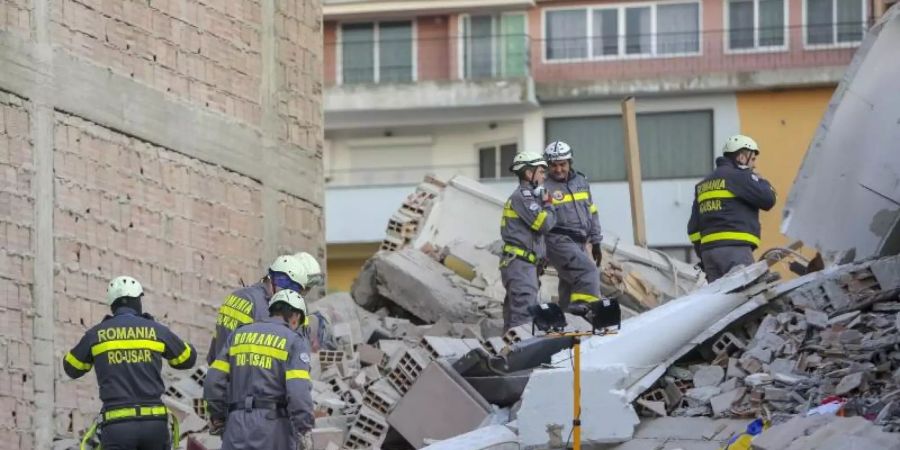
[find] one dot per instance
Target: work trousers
(717, 261)
(520, 279)
(147, 434)
(258, 429)
(579, 278)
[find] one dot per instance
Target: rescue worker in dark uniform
(724, 224)
(250, 304)
(577, 229)
(127, 350)
(527, 216)
(258, 387)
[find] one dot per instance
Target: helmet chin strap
(531, 178)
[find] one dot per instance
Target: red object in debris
(192, 444)
(833, 399)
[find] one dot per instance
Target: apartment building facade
(459, 86)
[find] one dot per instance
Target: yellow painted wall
(344, 262)
(783, 124)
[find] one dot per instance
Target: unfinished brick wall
(124, 206)
(190, 221)
(16, 260)
(207, 52)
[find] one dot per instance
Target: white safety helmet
(527, 159)
(291, 298)
(740, 142)
(310, 269)
(291, 266)
(558, 151)
(123, 286)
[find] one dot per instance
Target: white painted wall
(411, 152)
(359, 214)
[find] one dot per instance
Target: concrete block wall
(16, 273)
(177, 141)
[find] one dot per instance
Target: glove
(304, 441)
(216, 427)
(597, 254)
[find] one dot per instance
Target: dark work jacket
(726, 207)
(127, 351)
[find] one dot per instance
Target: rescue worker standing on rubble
(127, 349)
(577, 229)
(527, 216)
(724, 224)
(250, 304)
(258, 388)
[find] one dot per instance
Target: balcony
(716, 60)
(423, 79)
(503, 71)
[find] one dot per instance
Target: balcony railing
(588, 58)
(428, 59)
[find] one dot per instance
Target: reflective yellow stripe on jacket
(182, 357)
(568, 198)
(280, 355)
(694, 237)
(539, 220)
(297, 374)
(226, 310)
(222, 366)
(730, 236)
(128, 344)
(74, 362)
(718, 193)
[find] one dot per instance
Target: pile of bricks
(403, 225)
(831, 343)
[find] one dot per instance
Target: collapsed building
(419, 359)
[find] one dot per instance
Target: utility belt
(138, 412)
(571, 234)
(250, 403)
(520, 253)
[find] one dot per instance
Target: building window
(834, 22)
(623, 30)
(494, 46)
(673, 144)
(494, 160)
(380, 52)
(756, 24)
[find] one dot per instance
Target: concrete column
(533, 131)
(269, 85)
(42, 139)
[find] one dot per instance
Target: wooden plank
(633, 168)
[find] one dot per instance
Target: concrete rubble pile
(429, 243)
(834, 338)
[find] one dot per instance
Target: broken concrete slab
(420, 285)
(849, 383)
(612, 417)
(779, 437)
(493, 437)
(322, 437)
(700, 396)
(722, 403)
(709, 376)
(439, 405)
(815, 318)
(835, 432)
